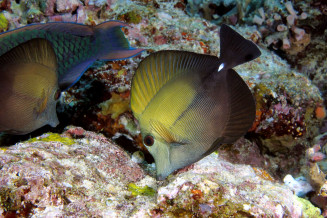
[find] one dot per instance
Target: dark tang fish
(187, 104)
(76, 46)
(28, 87)
(38, 60)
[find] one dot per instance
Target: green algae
(8, 199)
(222, 208)
(33, 12)
(137, 190)
(130, 17)
(309, 114)
(308, 209)
(311, 121)
(20, 181)
(196, 203)
(261, 91)
(53, 137)
(11, 201)
(3, 22)
(3, 149)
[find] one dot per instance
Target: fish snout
(54, 122)
(161, 177)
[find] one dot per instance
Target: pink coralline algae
(62, 6)
(243, 151)
(235, 190)
(314, 154)
(78, 174)
(287, 35)
(84, 174)
(160, 40)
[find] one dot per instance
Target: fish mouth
(164, 169)
(54, 122)
(161, 154)
(161, 177)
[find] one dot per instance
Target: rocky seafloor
(276, 170)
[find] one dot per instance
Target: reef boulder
(80, 173)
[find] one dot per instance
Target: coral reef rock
(83, 174)
(57, 175)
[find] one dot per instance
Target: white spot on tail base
(221, 66)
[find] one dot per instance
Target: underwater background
(94, 162)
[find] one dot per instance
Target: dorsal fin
(60, 27)
(77, 29)
(37, 51)
(161, 67)
(12, 38)
(68, 79)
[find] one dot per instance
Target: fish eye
(57, 94)
(148, 140)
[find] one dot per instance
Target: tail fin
(235, 49)
(114, 45)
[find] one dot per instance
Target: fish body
(28, 87)
(40, 60)
(188, 104)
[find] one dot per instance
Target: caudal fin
(114, 45)
(235, 49)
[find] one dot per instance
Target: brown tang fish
(38, 59)
(28, 87)
(188, 104)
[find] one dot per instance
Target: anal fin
(242, 108)
(121, 54)
(68, 79)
